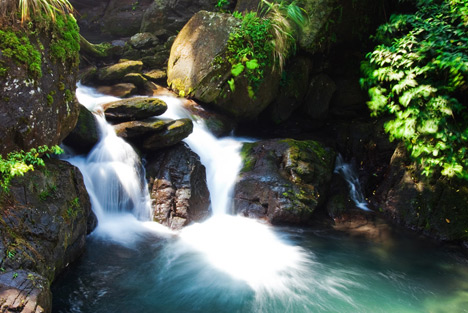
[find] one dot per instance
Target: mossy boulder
(195, 70)
(134, 109)
(43, 224)
(177, 185)
(154, 134)
(115, 72)
(86, 133)
(38, 72)
(435, 206)
(283, 181)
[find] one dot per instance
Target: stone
(117, 71)
(86, 133)
(134, 109)
(154, 134)
(43, 225)
(283, 181)
(121, 90)
(136, 79)
(192, 69)
(157, 76)
(317, 100)
(143, 40)
(178, 189)
(166, 18)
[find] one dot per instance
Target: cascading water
(228, 263)
(347, 171)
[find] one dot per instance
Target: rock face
(283, 181)
(318, 97)
(193, 69)
(134, 109)
(86, 134)
(37, 87)
(154, 134)
(166, 18)
(43, 225)
(177, 183)
(438, 207)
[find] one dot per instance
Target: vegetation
(263, 41)
(32, 8)
(418, 75)
(18, 163)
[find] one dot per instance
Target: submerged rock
(283, 181)
(134, 109)
(44, 222)
(177, 185)
(154, 134)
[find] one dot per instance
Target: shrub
(417, 76)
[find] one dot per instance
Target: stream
(234, 264)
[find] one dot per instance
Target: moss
(68, 95)
(248, 159)
(50, 98)
(65, 45)
(17, 46)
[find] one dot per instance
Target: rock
(318, 97)
(118, 90)
(348, 99)
(292, 90)
(135, 79)
(43, 225)
(157, 76)
(438, 206)
(283, 181)
(37, 96)
(193, 71)
(166, 18)
(117, 71)
(143, 40)
(177, 184)
(154, 134)
(23, 291)
(247, 5)
(86, 133)
(134, 109)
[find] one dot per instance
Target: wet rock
(157, 76)
(436, 206)
(154, 134)
(135, 79)
(283, 181)
(86, 134)
(43, 225)
(143, 40)
(121, 90)
(117, 71)
(192, 70)
(134, 109)
(177, 184)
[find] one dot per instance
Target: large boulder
(178, 189)
(193, 68)
(166, 18)
(45, 218)
(134, 109)
(283, 181)
(153, 134)
(435, 206)
(38, 73)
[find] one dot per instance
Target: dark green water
(336, 273)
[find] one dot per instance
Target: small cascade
(347, 171)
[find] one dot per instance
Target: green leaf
(232, 85)
(237, 69)
(252, 64)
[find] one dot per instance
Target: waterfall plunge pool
(233, 264)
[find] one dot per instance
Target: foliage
(18, 47)
(18, 163)
(262, 41)
(33, 8)
(65, 44)
(418, 76)
(222, 5)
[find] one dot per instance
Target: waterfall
(348, 172)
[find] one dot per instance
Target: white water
(349, 174)
(245, 249)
